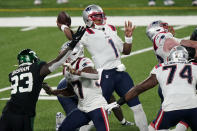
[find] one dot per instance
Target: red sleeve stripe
(77, 65)
(90, 31)
(194, 63)
(112, 27)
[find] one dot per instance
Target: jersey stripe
(159, 119)
(90, 31)
(77, 65)
(112, 27)
(105, 119)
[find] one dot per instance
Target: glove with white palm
(110, 106)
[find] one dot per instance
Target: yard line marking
(77, 21)
(108, 8)
(123, 56)
(28, 28)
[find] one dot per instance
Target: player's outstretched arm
(190, 43)
(129, 28)
(59, 92)
(87, 72)
(61, 58)
(147, 84)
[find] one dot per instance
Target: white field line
(123, 56)
(29, 28)
(76, 21)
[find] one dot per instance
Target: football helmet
(77, 52)
(156, 27)
(94, 13)
(178, 54)
(27, 56)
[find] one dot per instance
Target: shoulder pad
(112, 27)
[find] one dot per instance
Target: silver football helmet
(92, 13)
(156, 27)
(77, 52)
(178, 54)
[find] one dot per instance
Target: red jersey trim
(112, 27)
(90, 31)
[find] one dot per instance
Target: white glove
(110, 106)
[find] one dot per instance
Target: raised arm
(58, 92)
(129, 28)
(61, 58)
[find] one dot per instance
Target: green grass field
(47, 41)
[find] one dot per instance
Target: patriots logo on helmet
(88, 9)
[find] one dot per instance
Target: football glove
(110, 106)
(77, 36)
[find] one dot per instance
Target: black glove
(77, 36)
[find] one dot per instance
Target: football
(64, 18)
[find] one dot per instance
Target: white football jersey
(88, 91)
(158, 45)
(104, 45)
(178, 83)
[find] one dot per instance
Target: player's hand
(110, 106)
(47, 88)
(70, 69)
(129, 28)
(77, 36)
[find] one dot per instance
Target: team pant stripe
(105, 119)
(159, 119)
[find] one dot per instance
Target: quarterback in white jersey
(178, 80)
(106, 47)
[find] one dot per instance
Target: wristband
(63, 27)
(121, 101)
(128, 40)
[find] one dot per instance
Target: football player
(82, 80)
(178, 79)
(162, 37)
(68, 32)
(26, 82)
(106, 47)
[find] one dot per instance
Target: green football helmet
(27, 56)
